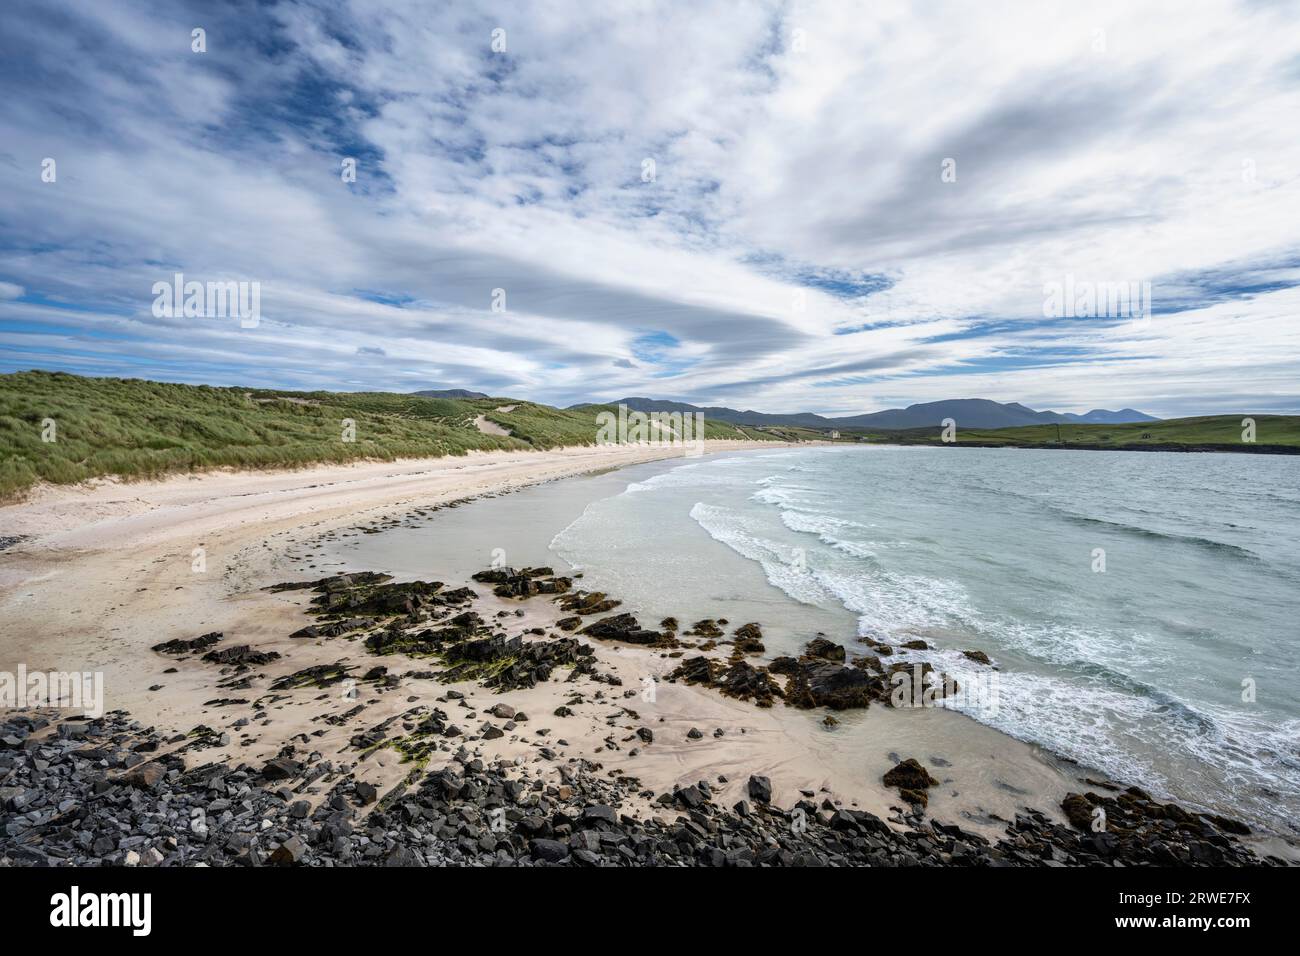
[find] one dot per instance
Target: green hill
(137, 428)
(1273, 434)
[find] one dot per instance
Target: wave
(1123, 527)
(885, 602)
(1140, 532)
(782, 566)
(1150, 740)
(685, 476)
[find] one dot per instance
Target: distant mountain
(721, 414)
(450, 393)
(982, 413)
(967, 412)
(1099, 416)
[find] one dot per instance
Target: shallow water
(1141, 669)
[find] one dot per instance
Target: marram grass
(132, 428)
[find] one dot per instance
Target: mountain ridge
(967, 412)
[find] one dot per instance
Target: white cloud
(1105, 142)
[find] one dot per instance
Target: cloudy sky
(834, 207)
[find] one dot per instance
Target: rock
(691, 797)
(979, 657)
(646, 734)
(622, 627)
(1078, 810)
(289, 852)
(820, 647)
(243, 656)
(179, 646)
(502, 711)
(584, 603)
(281, 768)
(599, 814)
(825, 684)
(1227, 825)
(910, 775)
(749, 639)
(760, 789)
(694, 733)
(549, 851)
(318, 675)
(743, 681)
(697, 670)
(917, 797)
(146, 776)
(366, 792)
(402, 856)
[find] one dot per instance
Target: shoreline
(1198, 448)
(132, 569)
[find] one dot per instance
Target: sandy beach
(103, 573)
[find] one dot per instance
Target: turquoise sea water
(1175, 667)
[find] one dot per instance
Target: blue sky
(750, 204)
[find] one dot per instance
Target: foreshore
(381, 720)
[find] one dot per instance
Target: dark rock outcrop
(826, 650)
(910, 775)
(622, 627)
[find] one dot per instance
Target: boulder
(1078, 810)
(826, 650)
(825, 684)
(910, 775)
(621, 627)
(549, 851)
(289, 852)
(147, 776)
(749, 639)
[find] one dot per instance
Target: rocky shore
(484, 783)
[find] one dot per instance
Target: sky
(833, 207)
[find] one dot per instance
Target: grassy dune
(1211, 432)
(135, 428)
